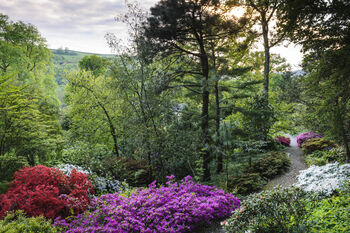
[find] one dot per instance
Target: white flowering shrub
(324, 179)
(101, 184)
(67, 169)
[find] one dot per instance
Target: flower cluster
(67, 169)
(324, 179)
(283, 140)
(100, 183)
(47, 191)
(176, 207)
(303, 137)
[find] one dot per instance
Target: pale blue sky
(82, 24)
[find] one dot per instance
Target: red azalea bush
(283, 140)
(47, 191)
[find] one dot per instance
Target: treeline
(188, 96)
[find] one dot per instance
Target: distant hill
(65, 60)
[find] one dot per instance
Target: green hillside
(68, 60)
(65, 61)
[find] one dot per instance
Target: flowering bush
(172, 208)
(303, 137)
(101, 184)
(283, 140)
(47, 191)
(278, 211)
(325, 179)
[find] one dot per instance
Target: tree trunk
(343, 132)
(205, 131)
(265, 30)
(112, 130)
(217, 121)
(346, 144)
(205, 115)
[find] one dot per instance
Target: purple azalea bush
(303, 137)
(176, 207)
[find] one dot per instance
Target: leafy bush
(278, 211)
(172, 208)
(303, 137)
(271, 164)
(246, 183)
(135, 172)
(283, 140)
(17, 222)
(331, 215)
(315, 144)
(254, 177)
(47, 191)
(325, 179)
(323, 157)
(9, 164)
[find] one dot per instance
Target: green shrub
(254, 177)
(322, 157)
(271, 164)
(135, 172)
(246, 183)
(315, 144)
(17, 222)
(9, 164)
(4, 186)
(331, 214)
(277, 211)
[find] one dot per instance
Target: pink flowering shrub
(176, 207)
(303, 137)
(285, 141)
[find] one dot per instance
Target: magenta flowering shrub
(303, 137)
(283, 140)
(176, 207)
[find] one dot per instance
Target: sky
(81, 25)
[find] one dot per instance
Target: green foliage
(29, 108)
(17, 222)
(331, 214)
(314, 144)
(135, 172)
(278, 210)
(271, 164)
(9, 164)
(323, 157)
(96, 64)
(254, 176)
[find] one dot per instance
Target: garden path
(297, 163)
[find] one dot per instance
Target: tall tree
(29, 108)
(92, 107)
(186, 29)
(323, 29)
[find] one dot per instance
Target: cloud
(76, 24)
(82, 24)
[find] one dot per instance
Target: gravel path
(297, 163)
